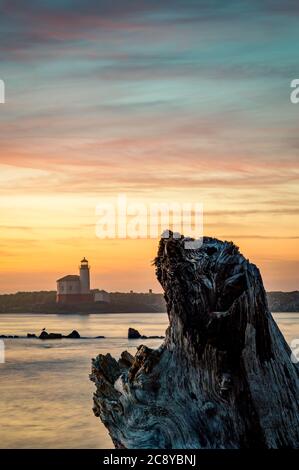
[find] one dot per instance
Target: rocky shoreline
(136, 303)
(44, 335)
(134, 334)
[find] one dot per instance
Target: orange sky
(48, 218)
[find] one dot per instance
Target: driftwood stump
(223, 377)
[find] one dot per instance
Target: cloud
(41, 23)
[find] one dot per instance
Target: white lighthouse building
(84, 277)
(73, 289)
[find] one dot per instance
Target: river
(46, 395)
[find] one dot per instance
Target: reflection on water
(46, 396)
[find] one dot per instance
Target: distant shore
(44, 302)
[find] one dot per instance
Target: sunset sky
(161, 100)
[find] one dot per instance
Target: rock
(73, 334)
(9, 336)
(55, 336)
(223, 377)
(133, 334)
(31, 335)
(153, 337)
(45, 335)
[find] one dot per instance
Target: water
(46, 395)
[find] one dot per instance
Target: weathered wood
(223, 377)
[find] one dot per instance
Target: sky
(163, 101)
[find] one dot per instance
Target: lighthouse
(84, 276)
(73, 289)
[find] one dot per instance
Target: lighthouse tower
(84, 277)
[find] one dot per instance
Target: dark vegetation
(45, 302)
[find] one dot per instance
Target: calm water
(46, 395)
